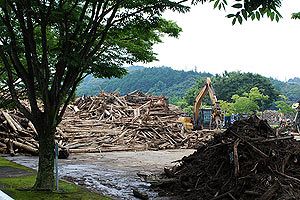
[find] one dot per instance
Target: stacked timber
(17, 134)
(107, 122)
(137, 121)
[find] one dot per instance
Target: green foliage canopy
(248, 9)
(244, 105)
(248, 103)
(231, 83)
(290, 89)
(283, 107)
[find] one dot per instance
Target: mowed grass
(19, 188)
(7, 163)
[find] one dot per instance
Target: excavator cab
(205, 119)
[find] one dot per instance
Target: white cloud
(212, 44)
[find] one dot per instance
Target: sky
(210, 43)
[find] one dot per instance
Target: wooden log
(16, 123)
(75, 146)
(25, 133)
(7, 135)
(61, 132)
(32, 128)
(10, 147)
(107, 113)
(236, 158)
(9, 121)
(287, 176)
(253, 147)
(123, 103)
(23, 141)
(172, 141)
(74, 130)
(2, 145)
(120, 136)
(25, 147)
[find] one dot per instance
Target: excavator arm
(198, 101)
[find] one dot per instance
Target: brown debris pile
(17, 134)
(107, 122)
(110, 122)
(247, 161)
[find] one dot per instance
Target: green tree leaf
(230, 15)
(237, 5)
(244, 13)
(257, 14)
(233, 21)
(240, 19)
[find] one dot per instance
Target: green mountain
(295, 80)
(176, 84)
(290, 89)
(156, 80)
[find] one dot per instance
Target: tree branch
(10, 83)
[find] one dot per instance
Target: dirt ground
(113, 173)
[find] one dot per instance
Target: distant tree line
(236, 90)
(157, 80)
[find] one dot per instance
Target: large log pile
(107, 122)
(110, 122)
(248, 161)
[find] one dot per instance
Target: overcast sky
(210, 43)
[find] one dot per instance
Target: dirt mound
(247, 161)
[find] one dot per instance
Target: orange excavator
(207, 118)
(204, 118)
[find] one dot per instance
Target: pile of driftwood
(107, 122)
(248, 161)
(137, 121)
(17, 134)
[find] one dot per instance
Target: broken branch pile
(17, 134)
(247, 161)
(110, 122)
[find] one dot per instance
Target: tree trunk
(45, 175)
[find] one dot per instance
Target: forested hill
(173, 83)
(291, 88)
(156, 80)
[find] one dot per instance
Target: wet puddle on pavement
(113, 173)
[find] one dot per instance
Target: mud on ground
(113, 173)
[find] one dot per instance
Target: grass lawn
(19, 187)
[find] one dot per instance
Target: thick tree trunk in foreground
(45, 175)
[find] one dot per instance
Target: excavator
(204, 118)
(207, 118)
